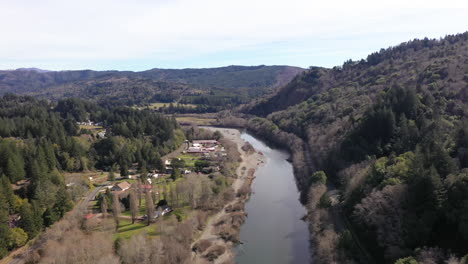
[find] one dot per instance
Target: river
(273, 231)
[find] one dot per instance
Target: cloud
(180, 33)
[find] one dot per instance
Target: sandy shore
(250, 162)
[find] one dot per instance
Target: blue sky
(145, 34)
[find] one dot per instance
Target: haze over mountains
(155, 85)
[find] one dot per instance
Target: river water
(273, 231)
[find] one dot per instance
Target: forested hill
(156, 85)
(320, 104)
(391, 132)
(41, 141)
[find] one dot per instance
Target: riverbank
(213, 246)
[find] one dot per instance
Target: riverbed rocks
(201, 246)
(235, 207)
(214, 252)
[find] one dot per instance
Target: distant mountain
(156, 85)
(32, 69)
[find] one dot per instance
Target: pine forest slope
(391, 132)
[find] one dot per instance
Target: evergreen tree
(111, 176)
(124, 170)
(7, 193)
(15, 168)
(63, 202)
(28, 220)
(4, 229)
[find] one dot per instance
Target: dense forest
(40, 140)
(211, 89)
(390, 133)
(379, 146)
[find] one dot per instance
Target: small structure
(120, 187)
(102, 134)
(13, 220)
(146, 188)
(86, 123)
(196, 150)
(206, 142)
(89, 216)
(153, 175)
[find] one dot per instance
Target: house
(196, 150)
(153, 175)
(86, 123)
(120, 187)
(146, 188)
(102, 134)
(205, 142)
(167, 162)
(169, 170)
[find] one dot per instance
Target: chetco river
(273, 231)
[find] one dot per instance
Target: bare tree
(104, 206)
(181, 191)
(133, 204)
(149, 207)
(77, 247)
(116, 209)
(138, 187)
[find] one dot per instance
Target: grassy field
(156, 106)
(195, 120)
(91, 127)
(127, 229)
(189, 159)
(159, 105)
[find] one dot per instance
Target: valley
(366, 162)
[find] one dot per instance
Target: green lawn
(196, 120)
(127, 229)
(189, 159)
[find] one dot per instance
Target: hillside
(230, 85)
(320, 104)
(390, 132)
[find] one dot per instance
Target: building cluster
(89, 123)
(202, 146)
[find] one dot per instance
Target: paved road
(89, 197)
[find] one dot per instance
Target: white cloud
(85, 33)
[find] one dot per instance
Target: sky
(143, 34)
